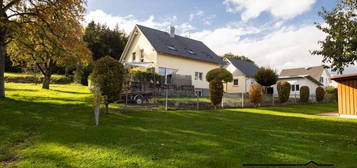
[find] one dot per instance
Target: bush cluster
(304, 94)
(216, 92)
(284, 88)
(320, 94)
(256, 94)
(108, 75)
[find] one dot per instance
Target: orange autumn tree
(53, 39)
(16, 16)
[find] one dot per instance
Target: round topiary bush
(320, 94)
(304, 94)
(256, 94)
(284, 88)
(216, 92)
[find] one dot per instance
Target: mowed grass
(54, 128)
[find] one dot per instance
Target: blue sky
(275, 33)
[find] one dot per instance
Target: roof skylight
(171, 48)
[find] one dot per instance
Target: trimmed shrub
(256, 94)
(320, 94)
(219, 74)
(284, 88)
(108, 75)
(304, 94)
(216, 92)
(216, 77)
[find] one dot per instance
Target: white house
(243, 75)
(168, 53)
(311, 77)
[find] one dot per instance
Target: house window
(198, 76)
(141, 55)
(295, 88)
(134, 56)
(235, 82)
(322, 79)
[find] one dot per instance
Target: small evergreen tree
(284, 88)
(108, 75)
(266, 77)
(304, 94)
(320, 94)
(256, 94)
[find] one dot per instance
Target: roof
(344, 77)
(302, 76)
(246, 67)
(314, 72)
(182, 46)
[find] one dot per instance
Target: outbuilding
(347, 94)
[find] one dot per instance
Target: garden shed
(347, 94)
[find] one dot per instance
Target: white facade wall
(301, 82)
(182, 65)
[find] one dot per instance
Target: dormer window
(191, 52)
(170, 47)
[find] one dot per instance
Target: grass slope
(55, 129)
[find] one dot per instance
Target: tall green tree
(103, 41)
(339, 48)
(14, 14)
(266, 76)
(108, 74)
(50, 41)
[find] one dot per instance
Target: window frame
(198, 76)
(234, 84)
(133, 57)
(142, 55)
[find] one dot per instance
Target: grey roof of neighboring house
(314, 72)
(246, 67)
(184, 47)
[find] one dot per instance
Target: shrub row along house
(186, 62)
(312, 77)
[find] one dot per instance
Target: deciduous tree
(14, 14)
(51, 40)
(339, 49)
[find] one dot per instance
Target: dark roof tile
(179, 46)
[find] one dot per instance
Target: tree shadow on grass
(226, 138)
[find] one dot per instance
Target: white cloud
(198, 13)
(127, 23)
(286, 47)
(281, 9)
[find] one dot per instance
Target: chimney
(172, 31)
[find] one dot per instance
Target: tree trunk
(106, 108)
(2, 69)
(46, 81)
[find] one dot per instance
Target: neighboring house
(312, 77)
(171, 54)
(243, 75)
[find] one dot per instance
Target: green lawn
(55, 129)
